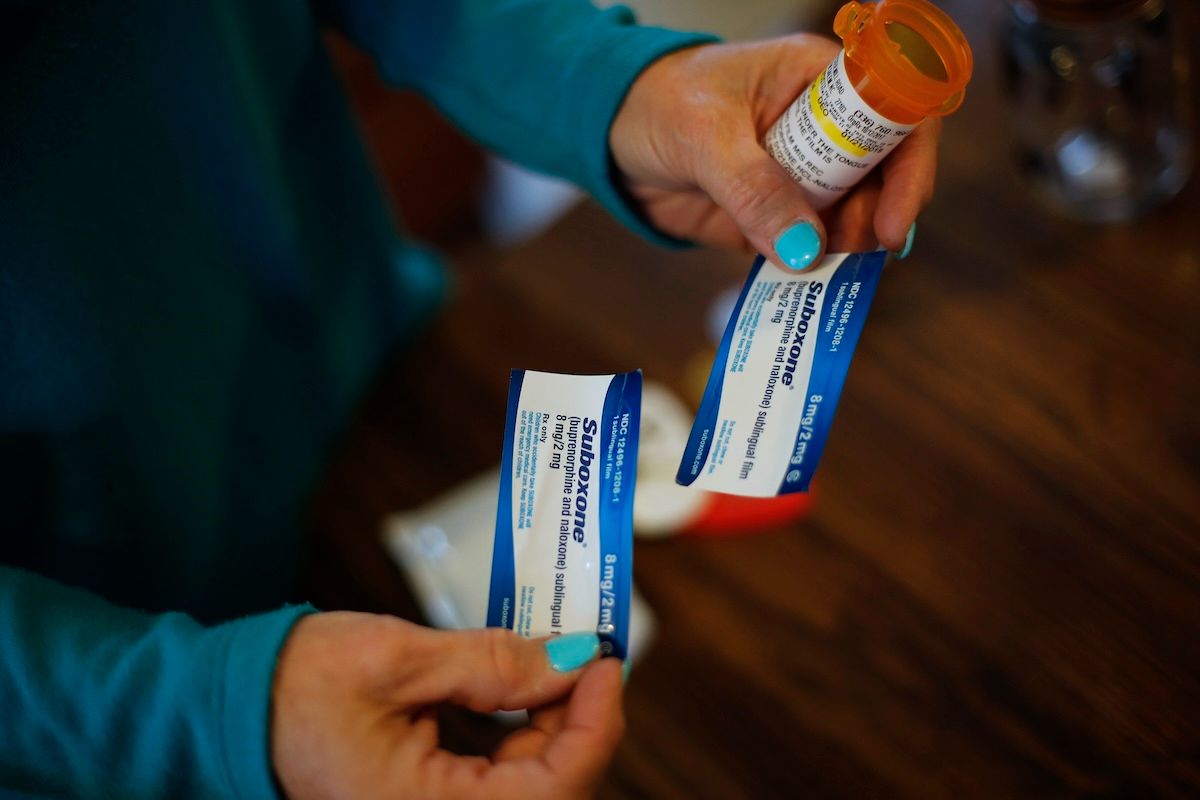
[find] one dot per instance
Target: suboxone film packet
(562, 559)
(777, 376)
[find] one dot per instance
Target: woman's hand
(355, 698)
(687, 141)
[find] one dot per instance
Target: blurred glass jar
(1101, 103)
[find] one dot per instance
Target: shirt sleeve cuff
(252, 649)
(616, 62)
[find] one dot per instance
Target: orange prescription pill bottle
(901, 61)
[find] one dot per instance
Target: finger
(492, 669)
(423, 727)
(771, 210)
(580, 752)
(531, 741)
(576, 751)
(694, 216)
(720, 231)
(908, 179)
(851, 222)
(800, 57)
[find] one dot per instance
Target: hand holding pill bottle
(902, 61)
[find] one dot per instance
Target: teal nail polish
(572, 650)
(625, 668)
(908, 242)
(797, 247)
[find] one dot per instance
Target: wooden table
(999, 591)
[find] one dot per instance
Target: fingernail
(798, 246)
(572, 650)
(625, 668)
(908, 242)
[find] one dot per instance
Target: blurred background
(994, 589)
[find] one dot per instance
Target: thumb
(493, 668)
(768, 206)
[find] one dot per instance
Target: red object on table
(731, 515)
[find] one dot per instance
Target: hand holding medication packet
(692, 139)
(355, 699)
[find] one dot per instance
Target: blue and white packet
(562, 557)
(778, 373)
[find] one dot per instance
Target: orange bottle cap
(911, 50)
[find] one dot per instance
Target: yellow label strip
(826, 124)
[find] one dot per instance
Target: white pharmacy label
(777, 376)
(829, 138)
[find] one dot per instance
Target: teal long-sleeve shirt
(198, 276)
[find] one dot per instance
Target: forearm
(103, 701)
(538, 81)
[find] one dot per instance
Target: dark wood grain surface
(998, 594)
